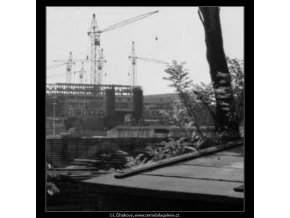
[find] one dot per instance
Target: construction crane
(94, 33)
(101, 62)
(81, 73)
(54, 66)
(69, 65)
(133, 57)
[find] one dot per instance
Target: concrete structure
(154, 131)
(59, 125)
(97, 107)
(94, 106)
(83, 100)
(154, 103)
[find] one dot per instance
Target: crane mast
(133, 57)
(69, 64)
(134, 68)
(101, 62)
(95, 77)
(69, 68)
(81, 73)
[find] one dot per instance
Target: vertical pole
(87, 142)
(77, 147)
(95, 51)
(65, 150)
(54, 118)
(134, 68)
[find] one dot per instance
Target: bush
(185, 115)
(191, 95)
(51, 175)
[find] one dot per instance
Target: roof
(212, 178)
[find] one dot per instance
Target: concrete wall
(153, 131)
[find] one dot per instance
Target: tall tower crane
(101, 60)
(94, 33)
(69, 63)
(81, 73)
(133, 57)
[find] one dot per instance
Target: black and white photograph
(144, 109)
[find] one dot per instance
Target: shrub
(185, 115)
(193, 94)
(51, 175)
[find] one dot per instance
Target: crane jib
(128, 21)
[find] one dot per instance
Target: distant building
(59, 125)
(96, 106)
(84, 100)
(101, 107)
(154, 103)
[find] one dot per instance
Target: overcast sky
(180, 37)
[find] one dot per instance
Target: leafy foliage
(205, 93)
(193, 94)
(180, 80)
(236, 68)
(51, 175)
(162, 151)
(136, 161)
(178, 117)
(170, 149)
(184, 115)
(51, 188)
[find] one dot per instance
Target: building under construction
(100, 105)
(91, 105)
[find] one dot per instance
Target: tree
(219, 72)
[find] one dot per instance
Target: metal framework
(83, 100)
(133, 57)
(93, 33)
(134, 68)
(97, 58)
(85, 89)
(81, 73)
(69, 64)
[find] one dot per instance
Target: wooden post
(77, 147)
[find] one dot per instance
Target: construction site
(85, 103)
(120, 138)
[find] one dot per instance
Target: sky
(180, 37)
